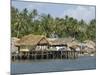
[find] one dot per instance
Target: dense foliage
(30, 22)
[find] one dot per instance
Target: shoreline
(45, 60)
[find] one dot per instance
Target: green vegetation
(30, 22)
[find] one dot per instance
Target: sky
(79, 12)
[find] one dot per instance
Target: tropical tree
(26, 22)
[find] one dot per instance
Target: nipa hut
(32, 43)
(59, 43)
(90, 46)
(90, 43)
(74, 45)
(14, 49)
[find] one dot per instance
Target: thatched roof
(89, 46)
(58, 41)
(74, 46)
(14, 39)
(32, 40)
(73, 43)
(89, 50)
(89, 43)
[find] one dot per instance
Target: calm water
(82, 63)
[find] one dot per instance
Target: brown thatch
(89, 43)
(62, 41)
(74, 46)
(73, 43)
(89, 46)
(14, 39)
(33, 40)
(89, 50)
(56, 42)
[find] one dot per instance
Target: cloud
(81, 12)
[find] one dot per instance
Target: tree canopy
(30, 22)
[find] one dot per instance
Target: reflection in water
(53, 65)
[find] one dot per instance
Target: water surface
(82, 63)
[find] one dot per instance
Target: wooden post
(61, 54)
(47, 54)
(65, 54)
(18, 49)
(14, 57)
(42, 55)
(74, 54)
(35, 55)
(71, 54)
(19, 56)
(68, 54)
(27, 55)
(53, 54)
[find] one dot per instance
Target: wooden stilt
(47, 54)
(42, 55)
(61, 54)
(35, 57)
(52, 54)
